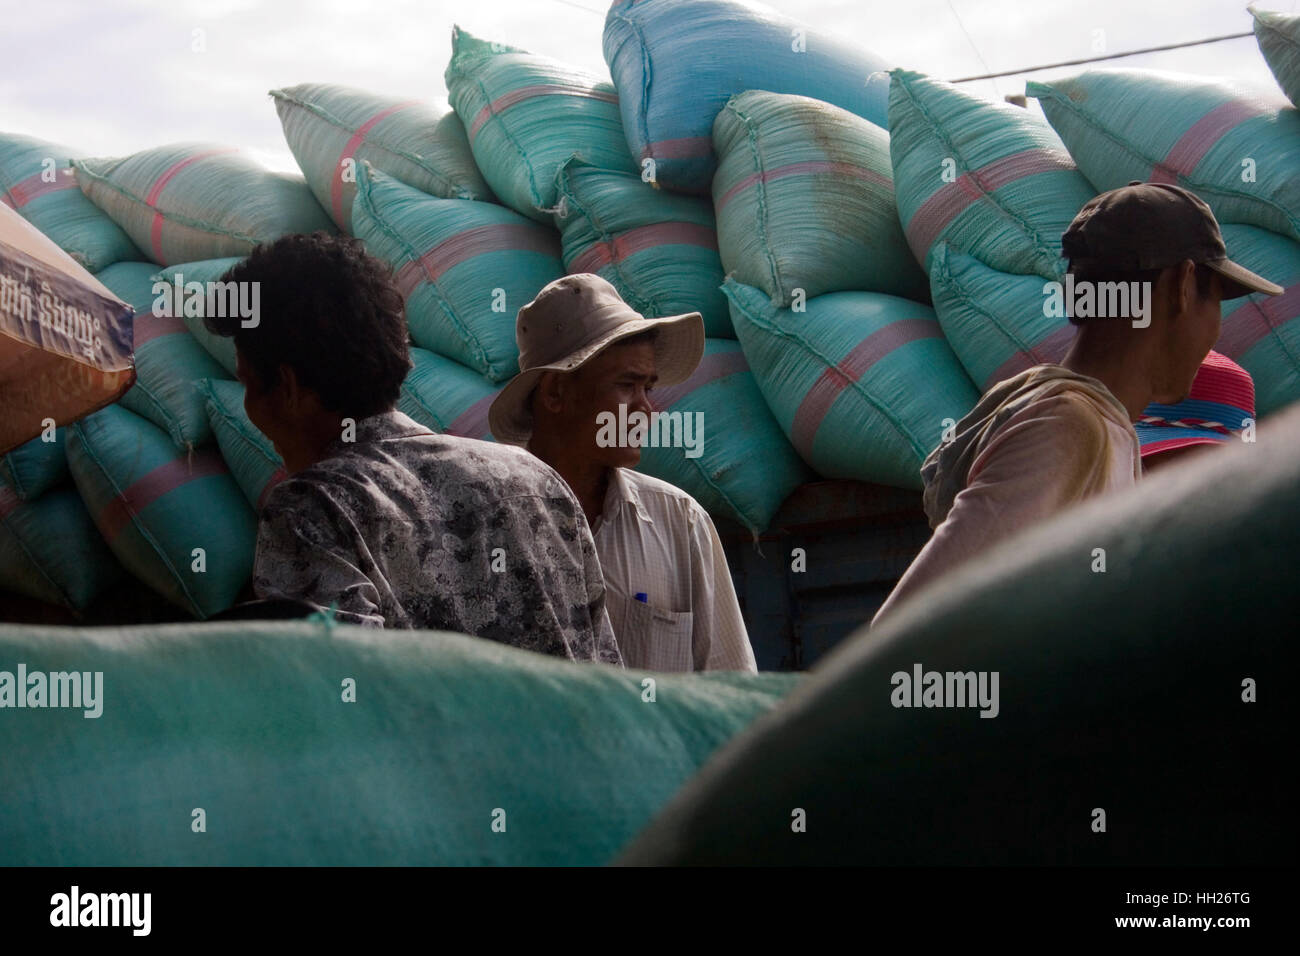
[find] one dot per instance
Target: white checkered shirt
(654, 540)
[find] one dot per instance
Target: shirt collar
(622, 493)
(386, 425)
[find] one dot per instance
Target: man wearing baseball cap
(1058, 434)
(583, 353)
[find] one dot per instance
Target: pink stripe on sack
(1051, 348)
(166, 478)
(507, 100)
(1256, 319)
(349, 150)
(34, 187)
(473, 421)
(712, 368)
(277, 476)
(809, 168)
(1200, 138)
(849, 370)
(148, 327)
(8, 501)
(155, 230)
(511, 237)
(688, 147)
(953, 198)
(601, 254)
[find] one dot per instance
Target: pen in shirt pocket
(642, 597)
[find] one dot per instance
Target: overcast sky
(114, 76)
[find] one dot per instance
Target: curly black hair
(329, 311)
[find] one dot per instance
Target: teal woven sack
(658, 249)
(464, 268)
(447, 397)
(51, 551)
(33, 468)
(193, 201)
(331, 130)
(37, 180)
(219, 347)
(676, 63)
(990, 179)
(996, 323)
(1236, 148)
(1278, 35)
(527, 114)
(804, 195)
(177, 522)
(863, 384)
(168, 359)
(252, 459)
(745, 467)
(453, 750)
(1133, 697)
(1262, 332)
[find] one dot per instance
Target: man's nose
(641, 401)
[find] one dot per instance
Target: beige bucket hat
(571, 321)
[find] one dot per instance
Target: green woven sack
(863, 384)
(168, 359)
(527, 114)
(991, 180)
(250, 455)
(333, 129)
(744, 466)
(37, 180)
(33, 468)
(177, 521)
(804, 195)
(1133, 724)
(1262, 332)
(1237, 148)
(50, 550)
(658, 249)
(446, 396)
(1279, 40)
(219, 347)
(996, 323)
(191, 201)
(314, 746)
(464, 268)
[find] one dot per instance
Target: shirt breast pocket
(657, 640)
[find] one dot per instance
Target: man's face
(1202, 324)
(1189, 336)
(620, 375)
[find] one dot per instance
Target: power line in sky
(1110, 56)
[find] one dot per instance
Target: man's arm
(305, 552)
(1047, 458)
(719, 640)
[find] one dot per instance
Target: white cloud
(121, 75)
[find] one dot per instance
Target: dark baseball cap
(1145, 226)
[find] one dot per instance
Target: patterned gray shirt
(405, 528)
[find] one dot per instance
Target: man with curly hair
(379, 518)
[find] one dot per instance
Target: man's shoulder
(661, 496)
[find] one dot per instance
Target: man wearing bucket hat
(1149, 266)
(588, 360)
(1220, 405)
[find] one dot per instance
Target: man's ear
(551, 390)
(290, 388)
(1182, 290)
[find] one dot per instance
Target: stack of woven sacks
(859, 287)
